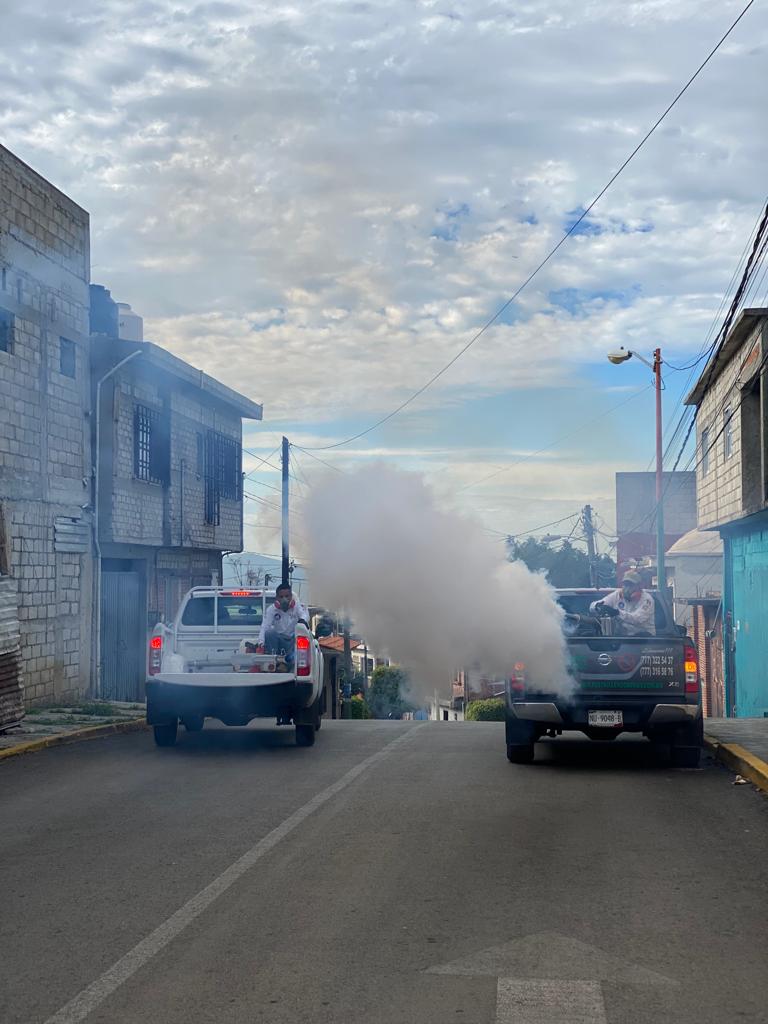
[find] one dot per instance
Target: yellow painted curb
(59, 739)
(739, 760)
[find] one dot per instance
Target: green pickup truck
(646, 684)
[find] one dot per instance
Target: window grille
(223, 473)
(151, 445)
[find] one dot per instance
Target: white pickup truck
(198, 668)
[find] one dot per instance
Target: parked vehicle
(198, 668)
(645, 684)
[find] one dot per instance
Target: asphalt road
(395, 872)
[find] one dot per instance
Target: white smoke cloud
(427, 587)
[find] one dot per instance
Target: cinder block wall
(44, 434)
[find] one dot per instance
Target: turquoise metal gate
(749, 560)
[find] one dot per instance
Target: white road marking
(538, 1001)
(85, 1002)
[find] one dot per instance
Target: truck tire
(305, 735)
(520, 753)
(165, 734)
(686, 757)
(687, 742)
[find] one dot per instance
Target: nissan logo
(604, 659)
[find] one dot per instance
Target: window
(151, 446)
(241, 612)
(223, 473)
(67, 357)
(6, 331)
(728, 432)
(5, 278)
(704, 454)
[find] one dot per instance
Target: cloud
(321, 202)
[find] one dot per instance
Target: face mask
(285, 603)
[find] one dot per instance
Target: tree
(385, 695)
(566, 566)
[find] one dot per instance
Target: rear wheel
(520, 753)
(687, 742)
(165, 734)
(305, 735)
(686, 757)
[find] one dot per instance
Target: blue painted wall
(746, 597)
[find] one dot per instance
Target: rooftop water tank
(130, 324)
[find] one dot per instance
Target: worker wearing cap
(635, 606)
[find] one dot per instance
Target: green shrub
(359, 709)
(491, 710)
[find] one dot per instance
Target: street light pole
(621, 356)
(661, 573)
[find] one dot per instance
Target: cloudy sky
(321, 202)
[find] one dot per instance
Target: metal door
(122, 637)
(750, 622)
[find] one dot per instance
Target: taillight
(517, 678)
(303, 656)
(155, 654)
(691, 669)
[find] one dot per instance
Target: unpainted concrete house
(169, 485)
(731, 397)
(45, 550)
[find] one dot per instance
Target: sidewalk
(63, 723)
(742, 745)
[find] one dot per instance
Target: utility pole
(347, 694)
(589, 533)
(286, 466)
(661, 572)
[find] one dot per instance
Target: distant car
(643, 684)
(197, 669)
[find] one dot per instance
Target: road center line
(85, 1002)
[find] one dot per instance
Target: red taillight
(237, 593)
(691, 669)
(155, 654)
(303, 656)
(517, 678)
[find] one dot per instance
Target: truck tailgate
(627, 665)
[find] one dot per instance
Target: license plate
(605, 718)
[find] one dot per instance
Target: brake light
(155, 654)
(237, 593)
(517, 678)
(691, 670)
(303, 656)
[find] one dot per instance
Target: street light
(617, 357)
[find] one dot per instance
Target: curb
(59, 739)
(740, 761)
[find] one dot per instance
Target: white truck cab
(199, 668)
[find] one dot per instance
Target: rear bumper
(637, 715)
(233, 705)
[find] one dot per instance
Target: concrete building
(636, 514)
(731, 397)
(45, 446)
(694, 569)
(169, 496)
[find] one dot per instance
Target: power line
(262, 462)
(308, 451)
(546, 526)
(585, 213)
